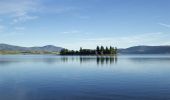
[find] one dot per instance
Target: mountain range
(52, 48)
(146, 50)
(47, 48)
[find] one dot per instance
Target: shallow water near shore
(51, 77)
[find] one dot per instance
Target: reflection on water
(99, 60)
(51, 77)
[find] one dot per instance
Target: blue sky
(85, 23)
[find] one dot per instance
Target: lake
(50, 77)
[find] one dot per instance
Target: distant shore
(5, 52)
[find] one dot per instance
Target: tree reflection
(99, 60)
(106, 60)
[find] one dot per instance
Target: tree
(116, 50)
(64, 52)
(98, 49)
(111, 50)
(101, 50)
(107, 50)
(81, 50)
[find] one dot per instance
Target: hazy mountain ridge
(47, 48)
(146, 50)
(130, 50)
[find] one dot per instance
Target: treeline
(98, 51)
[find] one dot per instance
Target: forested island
(98, 51)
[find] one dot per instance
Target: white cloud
(19, 10)
(19, 28)
(157, 38)
(23, 18)
(71, 32)
(17, 6)
(165, 25)
(75, 32)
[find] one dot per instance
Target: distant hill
(51, 48)
(47, 48)
(146, 50)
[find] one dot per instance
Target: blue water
(50, 77)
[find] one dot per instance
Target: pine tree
(98, 49)
(101, 50)
(107, 50)
(81, 50)
(111, 50)
(116, 50)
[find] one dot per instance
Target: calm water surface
(49, 77)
